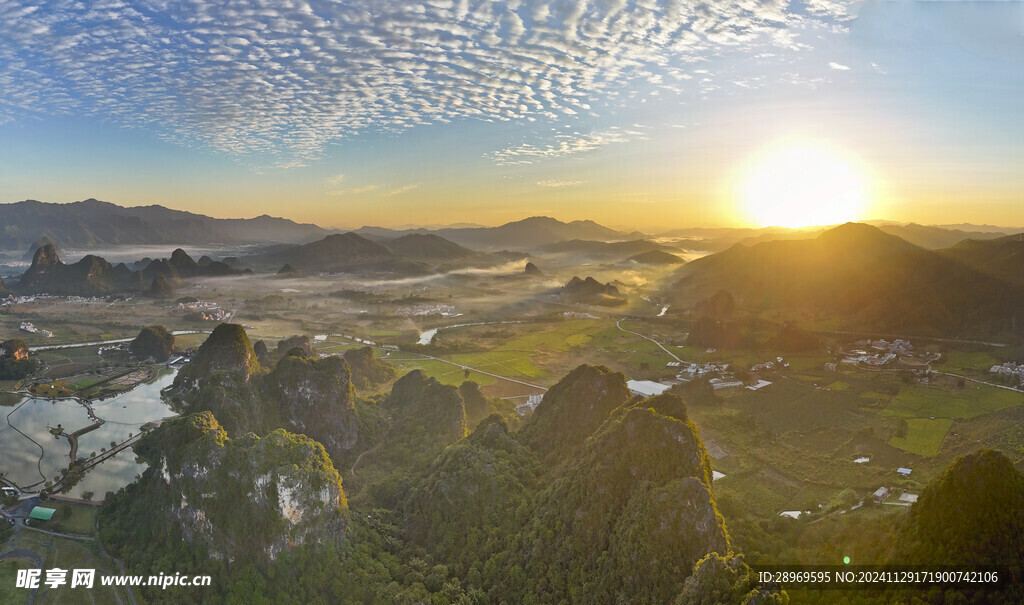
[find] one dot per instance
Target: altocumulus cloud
(281, 79)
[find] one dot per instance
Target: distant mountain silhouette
(656, 257)
(92, 223)
(427, 246)
(88, 277)
(94, 276)
(526, 234)
(335, 253)
(863, 276)
(1003, 257)
(411, 254)
(933, 238)
(589, 291)
(605, 249)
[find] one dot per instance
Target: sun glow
(799, 184)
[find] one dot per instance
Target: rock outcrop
(315, 397)
(153, 341)
(243, 499)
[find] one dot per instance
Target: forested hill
(599, 497)
(862, 278)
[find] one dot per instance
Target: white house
(646, 388)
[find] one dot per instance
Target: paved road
(991, 384)
(904, 337)
(498, 376)
(75, 345)
(670, 353)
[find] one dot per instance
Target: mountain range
(92, 224)
(529, 233)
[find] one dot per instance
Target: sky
(649, 114)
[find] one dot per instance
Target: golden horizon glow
(803, 183)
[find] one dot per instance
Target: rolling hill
(864, 278)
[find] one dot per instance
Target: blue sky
(633, 113)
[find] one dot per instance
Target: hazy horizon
(625, 228)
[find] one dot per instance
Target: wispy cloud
(401, 189)
(839, 66)
(564, 145)
(335, 180)
(277, 82)
(559, 183)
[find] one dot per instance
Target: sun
(804, 183)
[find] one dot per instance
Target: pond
(31, 454)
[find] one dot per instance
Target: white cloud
(839, 66)
(274, 84)
(336, 179)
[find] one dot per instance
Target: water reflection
(30, 453)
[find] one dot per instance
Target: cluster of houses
(876, 353)
(770, 365)
(209, 311)
(28, 326)
(361, 341)
(689, 371)
(1010, 369)
(31, 298)
(420, 310)
(532, 401)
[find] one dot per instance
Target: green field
(8, 577)
(974, 399)
(977, 361)
(924, 436)
(71, 518)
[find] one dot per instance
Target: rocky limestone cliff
(247, 498)
(315, 397)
